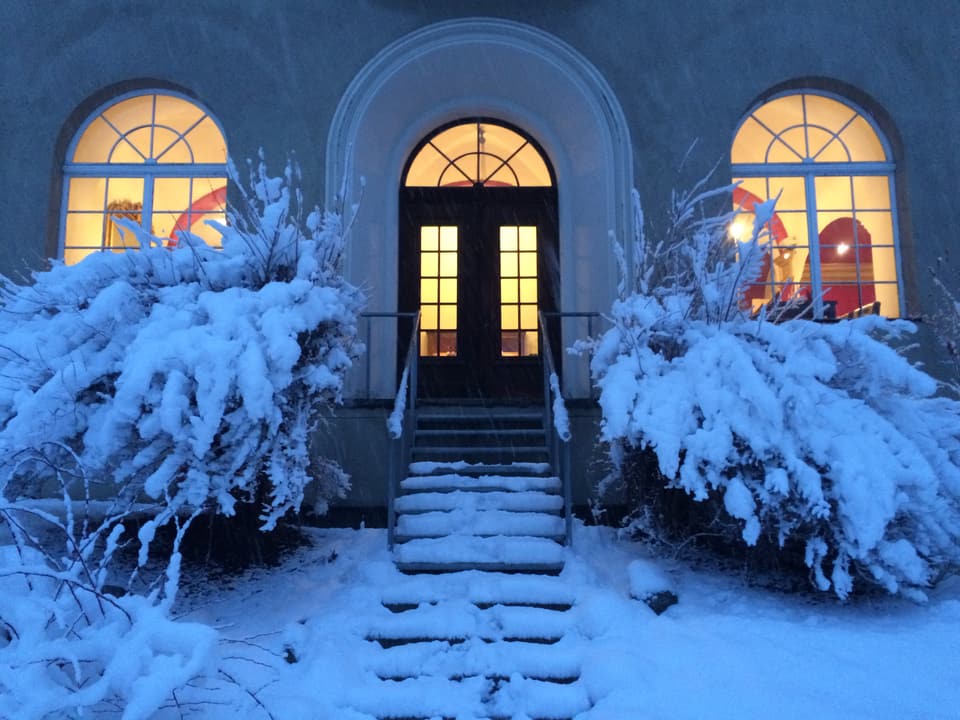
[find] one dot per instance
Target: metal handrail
(558, 447)
(400, 446)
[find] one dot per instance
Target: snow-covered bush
(190, 375)
(812, 435)
(66, 641)
(152, 386)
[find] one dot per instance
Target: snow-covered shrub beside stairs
(817, 434)
(170, 381)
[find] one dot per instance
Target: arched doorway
(481, 68)
(479, 258)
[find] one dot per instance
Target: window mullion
(147, 217)
(895, 219)
(813, 246)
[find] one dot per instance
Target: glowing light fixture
(740, 229)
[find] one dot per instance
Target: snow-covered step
(455, 620)
(486, 433)
(453, 417)
(462, 467)
(480, 588)
(455, 481)
(490, 453)
(532, 501)
(426, 697)
(483, 523)
(555, 663)
(464, 552)
(527, 697)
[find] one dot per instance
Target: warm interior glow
(126, 153)
(804, 127)
(844, 222)
(519, 322)
(438, 291)
(854, 235)
(473, 153)
(740, 229)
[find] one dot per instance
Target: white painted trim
(491, 68)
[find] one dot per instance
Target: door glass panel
(518, 291)
(438, 291)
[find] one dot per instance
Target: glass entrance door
(478, 258)
(479, 264)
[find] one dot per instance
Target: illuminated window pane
(206, 143)
(528, 317)
(518, 284)
(448, 264)
(848, 256)
(528, 290)
(448, 238)
(428, 317)
(128, 138)
(528, 264)
(510, 317)
(429, 342)
(792, 190)
(871, 193)
(833, 193)
(478, 153)
(508, 239)
(448, 290)
(530, 343)
(171, 193)
(84, 230)
(438, 290)
(448, 317)
(429, 291)
(429, 239)
(429, 264)
(528, 238)
(508, 264)
(87, 194)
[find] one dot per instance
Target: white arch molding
(483, 67)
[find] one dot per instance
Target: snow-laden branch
(395, 421)
(797, 432)
(561, 421)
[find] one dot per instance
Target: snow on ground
(293, 641)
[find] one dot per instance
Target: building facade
(493, 147)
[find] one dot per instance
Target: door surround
(482, 67)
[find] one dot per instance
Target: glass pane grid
(119, 141)
(438, 290)
(519, 322)
(478, 153)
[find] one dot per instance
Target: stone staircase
(479, 626)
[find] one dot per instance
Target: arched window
(478, 258)
(153, 157)
(478, 153)
(834, 235)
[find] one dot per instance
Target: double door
(479, 263)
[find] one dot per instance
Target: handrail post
(399, 446)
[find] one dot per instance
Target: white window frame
(148, 171)
(809, 169)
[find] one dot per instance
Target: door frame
(479, 371)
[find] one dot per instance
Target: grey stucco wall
(273, 73)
